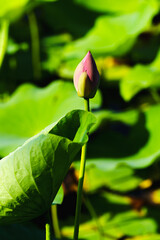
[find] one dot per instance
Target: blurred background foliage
(41, 43)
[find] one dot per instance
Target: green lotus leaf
(135, 144)
(115, 6)
(30, 109)
(114, 34)
(139, 78)
(120, 179)
(12, 9)
(31, 175)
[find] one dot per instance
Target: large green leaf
(139, 78)
(31, 109)
(53, 48)
(137, 145)
(146, 237)
(59, 18)
(115, 6)
(12, 9)
(121, 178)
(114, 34)
(31, 175)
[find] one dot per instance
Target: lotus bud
(86, 77)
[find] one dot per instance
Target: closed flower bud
(86, 77)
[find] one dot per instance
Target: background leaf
(109, 37)
(136, 145)
(11, 10)
(31, 109)
(115, 7)
(118, 222)
(120, 179)
(139, 78)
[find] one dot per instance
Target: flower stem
(93, 215)
(48, 226)
(80, 182)
(4, 26)
(35, 45)
(155, 95)
(55, 222)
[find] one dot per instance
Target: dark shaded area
(64, 126)
(111, 97)
(63, 16)
(25, 231)
(145, 49)
(118, 140)
(99, 203)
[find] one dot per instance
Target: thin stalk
(4, 26)
(155, 95)
(80, 182)
(35, 46)
(55, 222)
(48, 226)
(93, 215)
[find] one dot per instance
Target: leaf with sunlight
(114, 34)
(31, 175)
(30, 109)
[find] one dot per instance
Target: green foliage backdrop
(41, 43)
